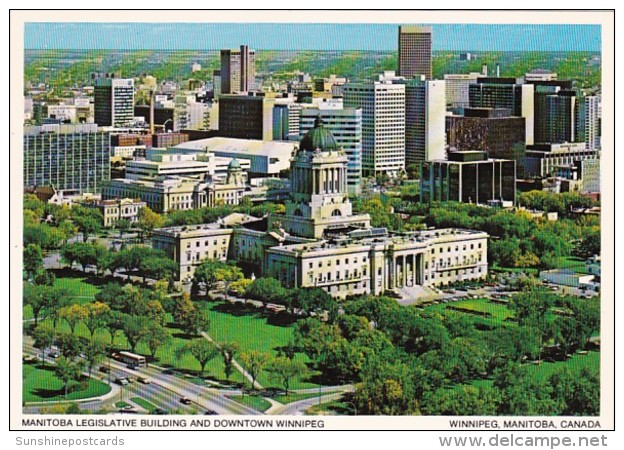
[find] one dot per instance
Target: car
(122, 381)
(104, 369)
(160, 411)
(185, 400)
(54, 354)
(144, 380)
(210, 412)
(128, 409)
(167, 372)
(130, 379)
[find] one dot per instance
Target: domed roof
(318, 137)
(234, 164)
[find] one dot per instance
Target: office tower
(555, 108)
(468, 177)
(346, 127)
(66, 157)
(425, 109)
(457, 89)
(113, 101)
(383, 124)
(509, 93)
(246, 117)
(588, 125)
(493, 130)
(542, 160)
(238, 70)
(414, 51)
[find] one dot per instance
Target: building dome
(318, 137)
(234, 165)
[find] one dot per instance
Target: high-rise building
(238, 70)
(511, 93)
(493, 130)
(346, 127)
(588, 125)
(246, 117)
(383, 123)
(425, 110)
(414, 51)
(457, 88)
(555, 108)
(468, 177)
(66, 157)
(113, 101)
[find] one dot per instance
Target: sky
(299, 36)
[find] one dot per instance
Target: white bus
(132, 360)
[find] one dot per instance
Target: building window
(310, 265)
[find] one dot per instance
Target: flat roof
(250, 147)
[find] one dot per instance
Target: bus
(132, 360)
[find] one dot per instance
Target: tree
(156, 337)
(182, 309)
(266, 290)
(87, 220)
(315, 300)
(460, 401)
(44, 338)
(135, 328)
(386, 389)
(229, 274)
(203, 351)
(207, 273)
(284, 370)
(577, 393)
(589, 245)
(96, 316)
(149, 221)
(69, 345)
(73, 314)
(83, 253)
(113, 295)
(33, 259)
(122, 225)
(67, 371)
(254, 362)
(33, 297)
(228, 350)
(93, 352)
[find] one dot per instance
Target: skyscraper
(238, 70)
(383, 123)
(425, 109)
(589, 121)
(414, 51)
(113, 101)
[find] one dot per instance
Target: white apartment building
(383, 123)
(425, 112)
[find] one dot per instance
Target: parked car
(104, 369)
(122, 381)
(144, 380)
(186, 400)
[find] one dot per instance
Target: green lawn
(544, 370)
(144, 403)
(77, 288)
(251, 330)
(571, 262)
(253, 401)
(42, 385)
(334, 408)
(498, 313)
(294, 397)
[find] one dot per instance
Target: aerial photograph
(311, 219)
